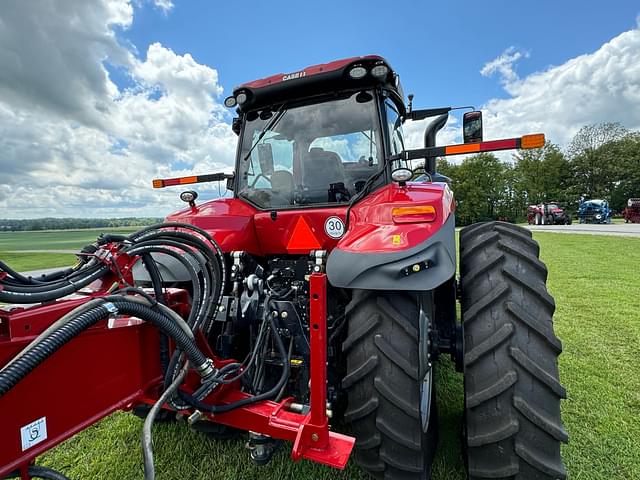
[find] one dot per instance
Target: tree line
(10, 225)
(602, 161)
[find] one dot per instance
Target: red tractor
(325, 289)
(547, 214)
(632, 212)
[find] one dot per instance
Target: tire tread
(512, 388)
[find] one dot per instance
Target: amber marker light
(417, 214)
(532, 141)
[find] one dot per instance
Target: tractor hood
(228, 220)
(236, 225)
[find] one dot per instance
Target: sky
(98, 98)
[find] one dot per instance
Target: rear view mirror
(265, 157)
(472, 127)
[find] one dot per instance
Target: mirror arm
(427, 112)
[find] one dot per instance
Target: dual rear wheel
(512, 394)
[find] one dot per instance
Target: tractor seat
(281, 188)
(321, 168)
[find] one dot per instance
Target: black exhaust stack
(430, 140)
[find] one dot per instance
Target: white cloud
(503, 65)
(71, 142)
(164, 5)
(602, 86)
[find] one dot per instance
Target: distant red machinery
(631, 214)
(547, 214)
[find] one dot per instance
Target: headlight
(380, 71)
(357, 72)
(598, 216)
(401, 175)
(241, 98)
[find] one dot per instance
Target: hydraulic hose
(284, 377)
(156, 283)
(23, 365)
(18, 279)
(211, 269)
(147, 445)
(147, 301)
(70, 280)
(187, 262)
(217, 258)
(37, 471)
(9, 296)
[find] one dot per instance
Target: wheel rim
(425, 399)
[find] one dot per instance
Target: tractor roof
(317, 80)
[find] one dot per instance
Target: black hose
(8, 296)
(36, 471)
(156, 283)
(284, 377)
(213, 266)
(193, 274)
(185, 226)
(17, 370)
(71, 280)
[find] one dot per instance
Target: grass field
(18, 249)
(595, 281)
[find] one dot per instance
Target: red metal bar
(314, 441)
(318, 334)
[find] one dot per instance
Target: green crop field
(26, 251)
(55, 239)
(595, 282)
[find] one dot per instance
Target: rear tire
(383, 384)
(512, 392)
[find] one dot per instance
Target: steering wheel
(255, 180)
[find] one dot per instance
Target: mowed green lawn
(596, 283)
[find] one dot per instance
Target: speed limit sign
(334, 227)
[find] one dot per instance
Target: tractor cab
(322, 142)
(311, 154)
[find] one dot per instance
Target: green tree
(480, 185)
(593, 162)
(542, 174)
(623, 158)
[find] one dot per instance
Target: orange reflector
(417, 214)
(532, 141)
(157, 183)
(464, 148)
(192, 179)
(303, 238)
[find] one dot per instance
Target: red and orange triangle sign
(302, 237)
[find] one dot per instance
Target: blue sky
(438, 48)
(98, 98)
